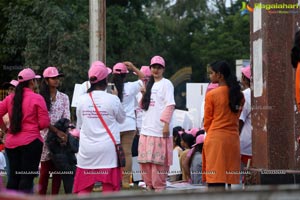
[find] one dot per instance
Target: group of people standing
(33, 117)
(145, 105)
(226, 148)
(28, 118)
(97, 160)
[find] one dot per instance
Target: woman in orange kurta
(221, 157)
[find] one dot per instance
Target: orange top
(297, 86)
(221, 150)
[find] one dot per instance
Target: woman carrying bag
(97, 159)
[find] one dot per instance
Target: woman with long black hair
(221, 151)
(127, 92)
(156, 143)
(58, 105)
(28, 115)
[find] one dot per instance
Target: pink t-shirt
(35, 118)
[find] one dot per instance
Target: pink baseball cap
(99, 71)
(13, 83)
(199, 139)
(51, 72)
(75, 132)
(246, 71)
(120, 68)
(193, 131)
(145, 70)
(157, 60)
(27, 74)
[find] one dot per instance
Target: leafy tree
(130, 34)
(48, 33)
(40, 33)
(226, 37)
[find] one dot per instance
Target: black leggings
(24, 165)
(68, 180)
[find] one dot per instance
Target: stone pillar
(273, 116)
(296, 27)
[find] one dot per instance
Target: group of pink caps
(100, 71)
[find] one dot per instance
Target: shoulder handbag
(119, 148)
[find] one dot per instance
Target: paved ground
(258, 192)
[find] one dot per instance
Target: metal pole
(97, 10)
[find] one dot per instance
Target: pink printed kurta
(59, 109)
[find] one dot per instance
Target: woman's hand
(133, 68)
(62, 136)
(129, 65)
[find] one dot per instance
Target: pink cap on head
(99, 71)
(146, 70)
(14, 83)
(27, 74)
(157, 60)
(246, 71)
(51, 72)
(199, 139)
(211, 86)
(120, 68)
(193, 131)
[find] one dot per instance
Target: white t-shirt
(162, 95)
(131, 89)
(246, 134)
(84, 88)
(96, 148)
(139, 112)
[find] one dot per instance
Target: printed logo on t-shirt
(152, 102)
(153, 94)
(92, 113)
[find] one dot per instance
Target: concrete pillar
(273, 116)
(296, 27)
(97, 10)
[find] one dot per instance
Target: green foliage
(48, 33)
(130, 36)
(195, 35)
(40, 33)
